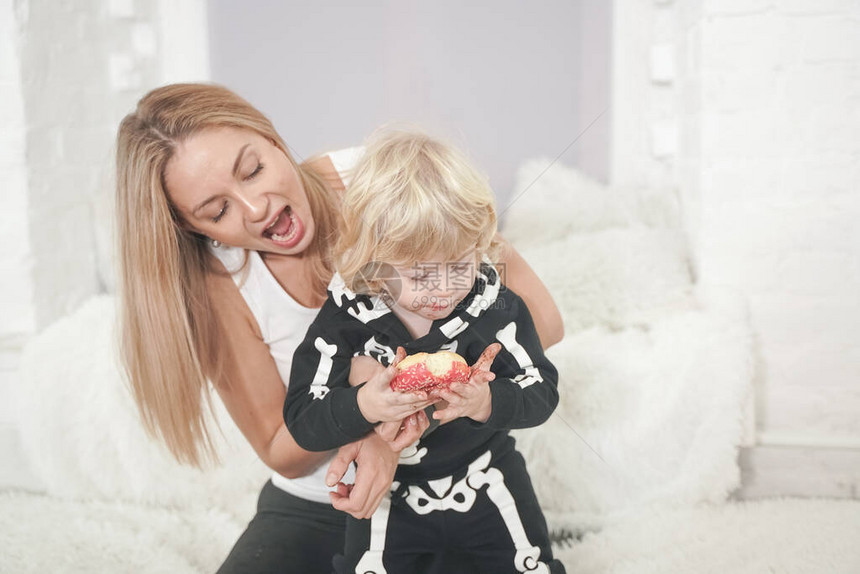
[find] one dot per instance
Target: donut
(430, 371)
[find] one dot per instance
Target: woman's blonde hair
(169, 336)
(411, 197)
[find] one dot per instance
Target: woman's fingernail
(331, 480)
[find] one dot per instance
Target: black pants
(486, 522)
(287, 535)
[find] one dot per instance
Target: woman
(224, 254)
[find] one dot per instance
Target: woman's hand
(378, 403)
(400, 434)
(375, 463)
(470, 399)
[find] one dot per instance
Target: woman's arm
(250, 385)
(517, 275)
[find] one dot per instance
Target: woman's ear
(178, 220)
(188, 230)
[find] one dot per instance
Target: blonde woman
(224, 246)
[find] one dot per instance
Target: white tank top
(283, 323)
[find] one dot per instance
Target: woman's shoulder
(335, 167)
(344, 160)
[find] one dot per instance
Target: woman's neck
(297, 275)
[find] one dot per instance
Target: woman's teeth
(290, 231)
(284, 227)
(288, 236)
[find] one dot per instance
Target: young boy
(414, 271)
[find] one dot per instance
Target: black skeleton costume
(440, 482)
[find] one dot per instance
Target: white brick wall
(780, 201)
(72, 105)
(766, 102)
(17, 307)
(69, 71)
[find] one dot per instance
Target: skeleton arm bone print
(525, 390)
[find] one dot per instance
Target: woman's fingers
(388, 430)
(375, 465)
(411, 430)
(340, 497)
(360, 499)
(340, 463)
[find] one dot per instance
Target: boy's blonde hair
(411, 198)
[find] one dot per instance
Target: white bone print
(319, 388)
(508, 338)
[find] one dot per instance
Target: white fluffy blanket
(637, 461)
(654, 371)
(39, 534)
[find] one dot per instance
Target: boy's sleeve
(321, 409)
(525, 390)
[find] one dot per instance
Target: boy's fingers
(487, 357)
(452, 399)
(398, 356)
(445, 415)
(382, 379)
(482, 377)
(412, 398)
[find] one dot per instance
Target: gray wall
(505, 80)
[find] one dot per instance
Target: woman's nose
(255, 206)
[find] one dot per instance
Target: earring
(216, 244)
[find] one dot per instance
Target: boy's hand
(471, 399)
(363, 368)
(378, 403)
(398, 434)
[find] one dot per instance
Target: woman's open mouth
(287, 230)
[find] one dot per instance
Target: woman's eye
(256, 172)
(221, 213)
